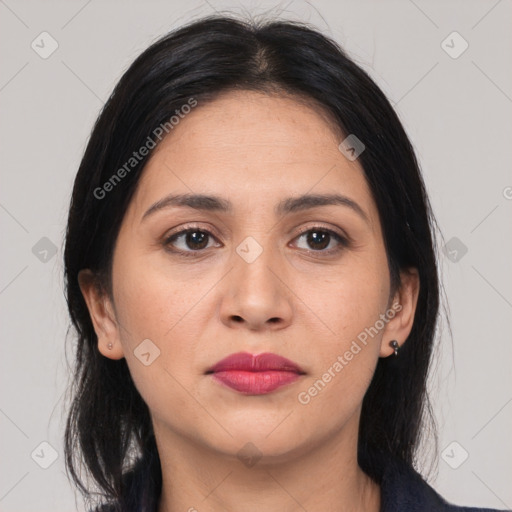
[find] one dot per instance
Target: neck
(317, 478)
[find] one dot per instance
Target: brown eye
(319, 239)
(189, 240)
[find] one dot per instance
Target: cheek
(347, 354)
(349, 306)
(168, 310)
(344, 301)
(169, 317)
(151, 303)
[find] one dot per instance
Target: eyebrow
(213, 203)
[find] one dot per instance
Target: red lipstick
(255, 375)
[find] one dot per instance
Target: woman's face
(307, 282)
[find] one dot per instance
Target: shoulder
(404, 489)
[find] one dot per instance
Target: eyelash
(342, 241)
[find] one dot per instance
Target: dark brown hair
(109, 425)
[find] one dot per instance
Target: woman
(250, 268)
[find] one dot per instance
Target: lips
(244, 361)
(255, 375)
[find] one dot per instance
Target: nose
(256, 295)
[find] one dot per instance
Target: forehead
(252, 119)
(255, 149)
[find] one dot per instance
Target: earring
(110, 346)
(394, 344)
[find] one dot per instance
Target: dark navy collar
(404, 490)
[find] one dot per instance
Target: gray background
(457, 112)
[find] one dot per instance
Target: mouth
(255, 375)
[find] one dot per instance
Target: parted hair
(108, 430)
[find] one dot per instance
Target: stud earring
(110, 346)
(395, 346)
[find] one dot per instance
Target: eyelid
(189, 227)
(320, 226)
(213, 232)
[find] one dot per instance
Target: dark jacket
(402, 490)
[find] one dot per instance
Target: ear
(102, 316)
(404, 306)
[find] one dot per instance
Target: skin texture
(295, 299)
